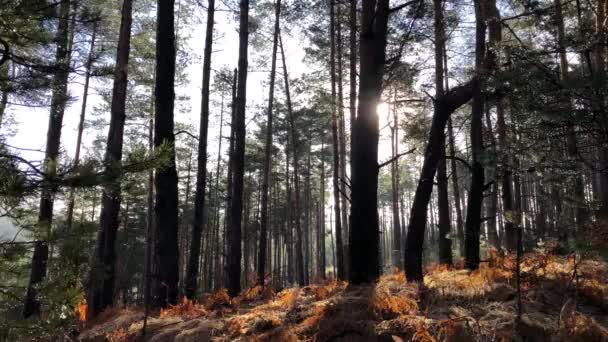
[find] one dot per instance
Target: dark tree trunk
(102, 277)
(342, 136)
(475, 199)
(582, 211)
(505, 180)
(296, 175)
(365, 263)
(201, 173)
(444, 107)
(53, 140)
(396, 255)
(456, 190)
(322, 261)
(166, 208)
(492, 206)
(352, 23)
(85, 96)
(445, 244)
(307, 230)
(4, 68)
(341, 274)
(233, 257)
(267, 152)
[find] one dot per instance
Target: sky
(32, 123)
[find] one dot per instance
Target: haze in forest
(297, 170)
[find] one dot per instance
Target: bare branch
(395, 158)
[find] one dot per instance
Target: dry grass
(451, 305)
(186, 308)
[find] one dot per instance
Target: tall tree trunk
(365, 263)
(492, 206)
(322, 261)
(342, 135)
(102, 277)
(599, 106)
(165, 210)
(233, 258)
(53, 140)
(445, 244)
(396, 254)
(307, 229)
(475, 199)
(352, 23)
(296, 175)
(149, 222)
(267, 152)
(85, 96)
(582, 212)
(341, 274)
(4, 77)
(456, 189)
(201, 173)
(444, 106)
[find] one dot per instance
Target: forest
(303, 170)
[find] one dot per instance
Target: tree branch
(187, 133)
(402, 6)
(395, 158)
(462, 161)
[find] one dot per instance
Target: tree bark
(102, 278)
(445, 244)
(396, 255)
(475, 199)
(444, 107)
(342, 135)
(364, 236)
(85, 96)
(296, 180)
(59, 100)
(166, 207)
(267, 152)
(341, 274)
(201, 173)
(233, 258)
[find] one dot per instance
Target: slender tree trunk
(102, 277)
(445, 244)
(342, 136)
(267, 152)
(599, 106)
(396, 254)
(475, 199)
(201, 173)
(85, 95)
(341, 274)
(4, 77)
(236, 208)
(166, 208)
(322, 263)
(307, 229)
(492, 206)
(444, 106)
(296, 175)
(456, 190)
(53, 140)
(365, 263)
(149, 222)
(352, 23)
(582, 212)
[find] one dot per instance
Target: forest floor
(563, 298)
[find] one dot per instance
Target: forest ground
(563, 297)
